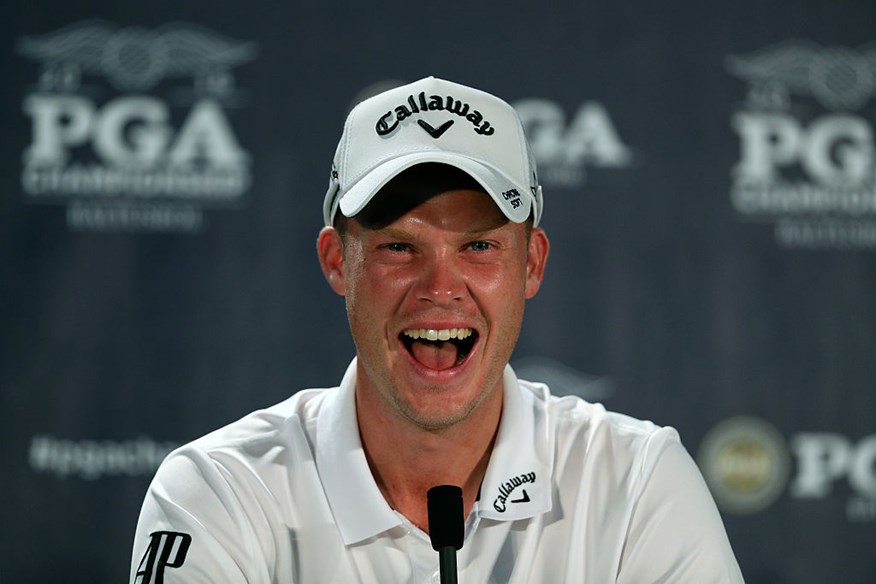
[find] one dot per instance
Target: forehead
(414, 187)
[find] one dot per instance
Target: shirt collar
(516, 484)
(357, 504)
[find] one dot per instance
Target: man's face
(435, 298)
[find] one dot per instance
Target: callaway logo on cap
(433, 120)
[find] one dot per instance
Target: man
(432, 238)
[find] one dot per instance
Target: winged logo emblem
(135, 58)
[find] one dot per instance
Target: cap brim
(514, 200)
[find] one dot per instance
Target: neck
(407, 460)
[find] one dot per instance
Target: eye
(397, 247)
(480, 245)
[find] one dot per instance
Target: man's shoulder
(595, 445)
(591, 424)
(284, 426)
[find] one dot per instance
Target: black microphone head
(446, 523)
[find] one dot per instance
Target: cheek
(505, 284)
(371, 298)
(500, 297)
(505, 275)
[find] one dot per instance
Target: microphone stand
(446, 528)
(447, 565)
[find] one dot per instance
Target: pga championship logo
(130, 128)
(749, 465)
(806, 143)
(566, 146)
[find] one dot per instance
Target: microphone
(446, 527)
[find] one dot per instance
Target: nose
(441, 282)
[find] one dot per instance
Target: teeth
(438, 334)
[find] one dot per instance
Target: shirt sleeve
(195, 528)
(675, 533)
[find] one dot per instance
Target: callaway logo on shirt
(506, 488)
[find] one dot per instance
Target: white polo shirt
(572, 493)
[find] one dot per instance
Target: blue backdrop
(710, 192)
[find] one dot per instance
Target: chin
(440, 415)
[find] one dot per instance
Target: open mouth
(439, 349)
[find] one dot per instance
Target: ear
(539, 246)
(330, 249)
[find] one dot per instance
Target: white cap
(432, 120)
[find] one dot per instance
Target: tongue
(440, 356)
